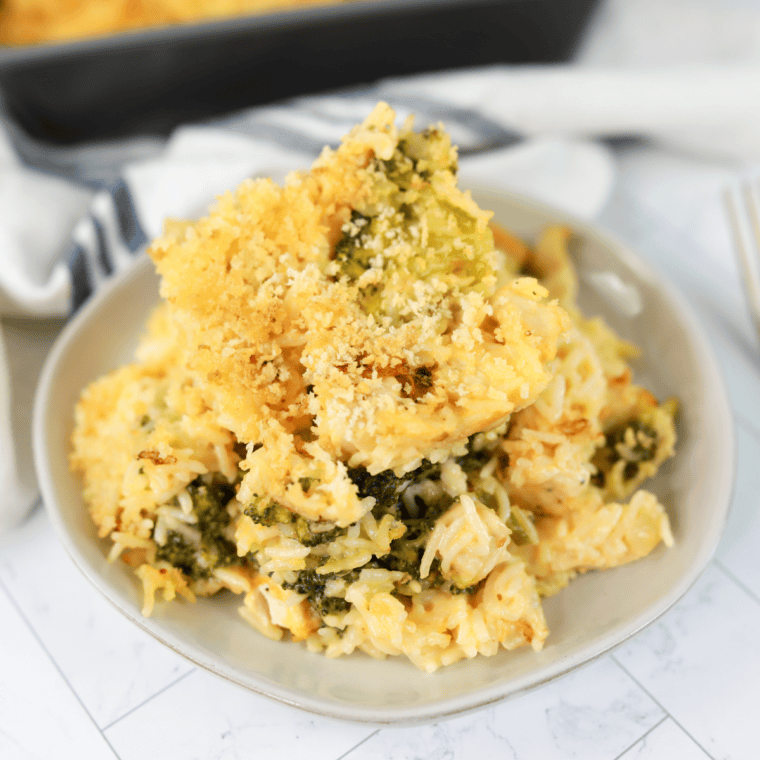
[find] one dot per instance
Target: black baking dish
(148, 81)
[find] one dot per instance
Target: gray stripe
(81, 284)
(131, 230)
(486, 134)
(475, 133)
(102, 253)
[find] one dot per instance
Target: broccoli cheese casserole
(377, 417)
(25, 22)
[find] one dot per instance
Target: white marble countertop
(91, 685)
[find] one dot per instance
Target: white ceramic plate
(597, 612)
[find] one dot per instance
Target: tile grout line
(356, 746)
(643, 736)
(736, 580)
(658, 703)
(149, 699)
(50, 657)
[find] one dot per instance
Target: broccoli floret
(312, 584)
(634, 441)
(352, 258)
(645, 441)
(406, 552)
(453, 589)
(385, 488)
(210, 500)
(426, 471)
(404, 166)
(314, 538)
(473, 461)
(209, 503)
(332, 605)
(268, 513)
(400, 167)
(404, 556)
(309, 582)
(479, 452)
(210, 495)
(181, 553)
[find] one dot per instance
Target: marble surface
(89, 684)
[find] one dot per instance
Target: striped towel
(70, 218)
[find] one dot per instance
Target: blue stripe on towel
(483, 134)
(96, 257)
(102, 251)
(81, 282)
(129, 224)
(305, 123)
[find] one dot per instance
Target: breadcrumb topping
(352, 318)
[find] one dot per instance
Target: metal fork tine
(743, 207)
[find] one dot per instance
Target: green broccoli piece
(406, 552)
(210, 498)
(479, 452)
(617, 446)
(404, 556)
(313, 538)
(210, 501)
(469, 590)
(349, 253)
(310, 583)
(474, 461)
(385, 488)
(178, 551)
(268, 513)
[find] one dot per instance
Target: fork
(743, 208)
